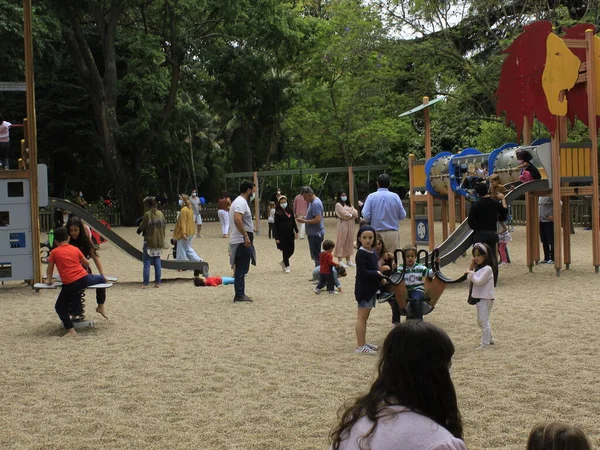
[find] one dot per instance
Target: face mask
(81, 194)
(251, 197)
(193, 194)
(180, 202)
(344, 198)
(283, 205)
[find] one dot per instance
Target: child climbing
(528, 171)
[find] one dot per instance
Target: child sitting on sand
(212, 281)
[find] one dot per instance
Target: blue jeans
(148, 261)
(314, 245)
(185, 251)
(243, 255)
(66, 296)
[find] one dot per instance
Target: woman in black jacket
(285, 231)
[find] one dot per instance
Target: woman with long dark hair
(412, 403)
(81, 237)
(285, 231)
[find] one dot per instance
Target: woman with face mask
(344, 244)
(285, 231)
(184, 231)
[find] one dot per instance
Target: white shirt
(406, 430)
(4, 126)
(195, 201)
(483, 283)
(240, 205)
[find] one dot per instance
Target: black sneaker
(243, 298)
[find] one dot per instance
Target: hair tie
(481, 247)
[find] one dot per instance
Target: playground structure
(556, 81)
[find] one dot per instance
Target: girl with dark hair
(81, 238)
(346, 214)
(528, 171)
(412, 403)
(557, 436)
(481, 289)
(285, 231)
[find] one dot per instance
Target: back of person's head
(524, 155)
(149, 203)
(198, 282)
(384, 180)
(61, 234)
(557, 436)
(328, 244)
(306, 190)
(481, 189)
(341, 271)
(245, 186)
(413, 371)
(494, 177)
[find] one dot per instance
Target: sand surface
(182, 367)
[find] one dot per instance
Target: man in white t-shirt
(196, 208)
(4, 142)
(241, 239)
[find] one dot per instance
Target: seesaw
(108, 279)
(77, 309)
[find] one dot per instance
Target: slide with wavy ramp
(201, 267)
(460, 240)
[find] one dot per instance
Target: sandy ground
(184, 367)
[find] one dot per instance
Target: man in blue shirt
(315, 227)
(383, 210)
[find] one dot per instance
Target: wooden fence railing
(580, 212)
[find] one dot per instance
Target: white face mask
(193, 194)
(180, 202)
(251, 197)
(343, 198)
(283, 205)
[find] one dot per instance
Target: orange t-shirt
(67, 259)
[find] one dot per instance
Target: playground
(184, 367)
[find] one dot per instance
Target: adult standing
(300, 208)
(285, 231)
(80, 201)
(196, 208)
(184, 232)
(483, 219)
(241, 240)
(153, 229)
(546, 213)
(315, 227)
(344, 244)
(223, 205)
(4, 142)
(383, 210)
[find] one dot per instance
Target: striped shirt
(414, 277)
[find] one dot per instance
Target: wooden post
(351, 185)
(531, 228)
(430, 212)
(451, 210)
(593, 131)
(256, 205)
(556, 209)
(444, 220)
(32, 141)
(462, 202)
(412, 202)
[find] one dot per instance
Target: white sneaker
(332, 292)
(482, 347)
(282, 265)
(351, 264)
(373, 346)
(365, 349)
(287, 269)
(317, 291)
(341, 264)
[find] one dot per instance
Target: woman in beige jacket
(184, 232)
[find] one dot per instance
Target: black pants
(326, 279)
(547, 237)
(286, 254)
(67, 293)
(395, 310)
(490, 238)
(271, 225)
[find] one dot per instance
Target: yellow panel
(563, 162)
(419, 175)
(587, 171)
(543, 173)
(560, 72)
(570, 154)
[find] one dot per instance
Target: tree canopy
(142, 97)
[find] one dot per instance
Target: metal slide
(460, 240)
(201, 267)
